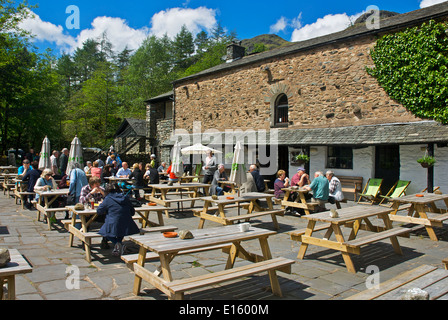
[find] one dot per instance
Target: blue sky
(128, 23)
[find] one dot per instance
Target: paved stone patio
(322, 275)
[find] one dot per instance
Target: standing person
(63, 161)
(335, 188)
(209, 167)
(54, 162)
(320, 187)
(78, 180)
(118, 222)
(31, 176)
(152, 163)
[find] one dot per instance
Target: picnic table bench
(17, 265)
(46, 199)
(168, 248)
(428, 278)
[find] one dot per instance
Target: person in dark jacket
(259, 181)
(138, 182)
(31, 176)
(118, 222)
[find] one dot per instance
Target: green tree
(412, 68)
(183, 47)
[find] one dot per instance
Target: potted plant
(302, 158)
(427, 161)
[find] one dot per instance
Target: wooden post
(430, 175)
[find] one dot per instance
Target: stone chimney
(235, 51)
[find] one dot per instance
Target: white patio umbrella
(75, 155)
(176, 166)
(198, 148)
(238, 173)
(44, 157)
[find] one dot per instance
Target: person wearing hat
(301, 178)
(152, 163)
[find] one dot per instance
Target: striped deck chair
(370, 192)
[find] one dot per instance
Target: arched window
(281, 109)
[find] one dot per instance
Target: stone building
(314, 97)
(130, 137)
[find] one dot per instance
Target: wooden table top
(179, 186)
(242, 198)
(56, 192)
(427, 197)
(157, 243)
(349, 214)
(17, 265)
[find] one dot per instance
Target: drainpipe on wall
(430, 175)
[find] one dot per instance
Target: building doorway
(387, 166)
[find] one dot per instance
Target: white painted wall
(364, 166)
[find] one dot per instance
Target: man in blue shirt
(321, 189)
(124, 171)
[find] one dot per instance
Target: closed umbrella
(176, 166)
(44, 157)
(238, 173)
(75, 155)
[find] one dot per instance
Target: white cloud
(118, 32)
(329, 24)
(428, 3)
(171, 21)
(47, 31)
(280, 25)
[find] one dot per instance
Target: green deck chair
(370, 192)
(398, 190)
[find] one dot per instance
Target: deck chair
(398, 190)
(370, 192)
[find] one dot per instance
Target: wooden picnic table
(17, 265)
(300, 201)
(189, 179)
(356, 217)
(160, 193)
(46, 199)
(11, 169)
(228, 238)
(8, 183)
(20, 191)
(247, 200)
(233, 186)
(422, 210)
(87, 216)
(431, 279)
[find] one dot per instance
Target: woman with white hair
(335, 188)
(47, 183)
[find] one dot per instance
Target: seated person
(301, 178)
(88, 167)
(31, 176)
(171, 176)
(320, 187)
(124, 171)
(162, 171)
(138, 182)
(95, 170)
(259, 181)
(335, 190)
(106, 173)
(152, 175)
(24, 167)
(118, 222)
(281, 182)
(219, 175)
(91, 191)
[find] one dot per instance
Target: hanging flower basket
(427, 161)
(302, 158)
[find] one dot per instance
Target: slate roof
(422, 132)
(394, 23)
(131, 128)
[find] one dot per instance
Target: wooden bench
(297, 234)
(177, 288)
(351, 184)
(429, 278)
(130, 259)
(247, 217)
(7, 187)
(22, 196)
(358, 242)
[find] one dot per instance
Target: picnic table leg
(275, 285)
(11, 280)
(393, 240)
(1, 288)
(303, 200)
(346, 256)
(233, 253)
(309, 233)
(140, 262)
(420, 210)
(163, 197)
(47, 214)
(70, 238)
(285, 198)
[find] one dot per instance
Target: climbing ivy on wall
(412, 67)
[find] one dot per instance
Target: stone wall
(326, 87)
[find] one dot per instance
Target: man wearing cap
(301, 178)
(152, 163)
